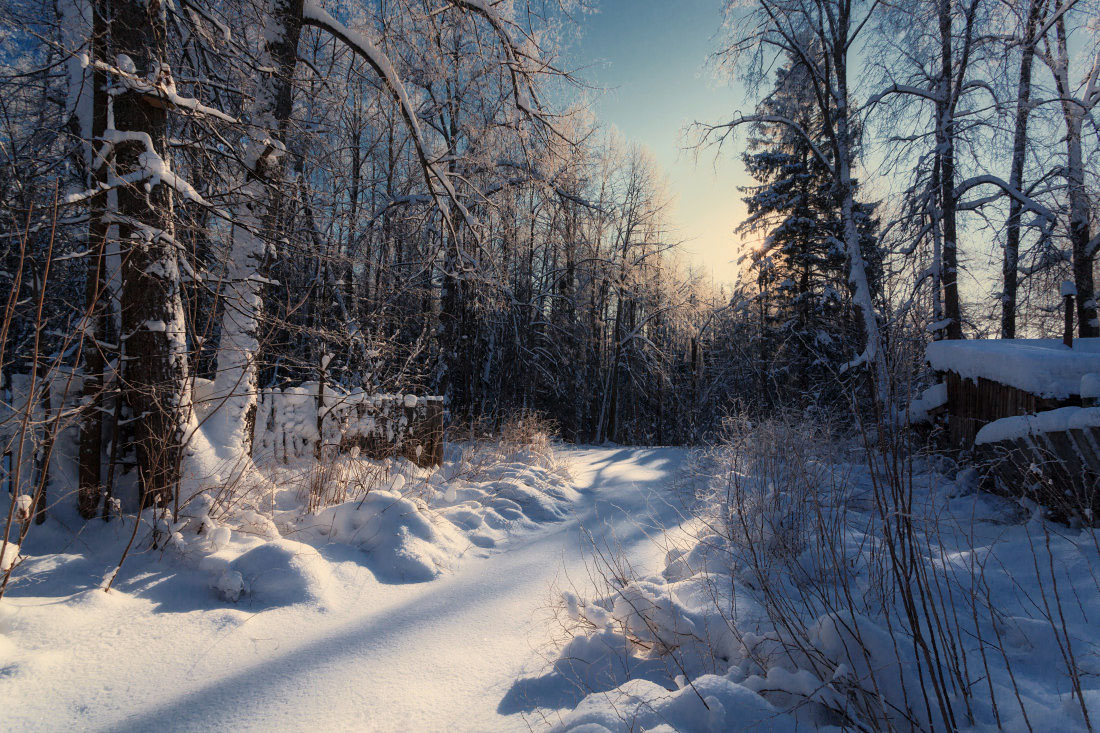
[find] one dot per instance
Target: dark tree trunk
(945, 144)
(1010, 266)
(90, 472)
(1087, 325)
(154, 360)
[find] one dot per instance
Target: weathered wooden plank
(1052, 469)
(378, 426)
(1088, 447)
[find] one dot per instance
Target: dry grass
(521, 435)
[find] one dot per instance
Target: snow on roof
(932, 398)
(1044, 367)
(1021, 426)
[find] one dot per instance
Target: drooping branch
(1028, 203)
(315, 16)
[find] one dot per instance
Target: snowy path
(435, 656)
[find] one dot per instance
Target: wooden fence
(299, 423)
(972, 404)
(1059, 469)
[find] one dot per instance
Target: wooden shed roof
(1043, 367)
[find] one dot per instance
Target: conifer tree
(808, 328)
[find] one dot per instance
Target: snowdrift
(745, 628)
(277, 535)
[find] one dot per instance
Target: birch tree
(256, 220)
(936, 68)
(1028, 39)
(1077, 99)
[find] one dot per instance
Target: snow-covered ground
(503, 599)
(323, 640)
(781, 608)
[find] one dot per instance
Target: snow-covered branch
(1028, 203)
(161, 88)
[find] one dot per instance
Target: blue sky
(649, 59)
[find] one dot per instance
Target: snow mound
(231, 585)
(413, 523)
(278, 573)
(398, 534)
(602, 661)
(709, 703)
(932, 398)
(532, 503)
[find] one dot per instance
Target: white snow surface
(733, 668)
(328, 632)
(930, 399)
(1044, 367)
(432, 607)
(1048, 421)
(1090, 386)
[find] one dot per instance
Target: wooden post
(433, 432)
(1069, 290)
(321, 409)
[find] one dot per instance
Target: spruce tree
(808, 326)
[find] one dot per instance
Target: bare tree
(1027, 41)
(1077, 102)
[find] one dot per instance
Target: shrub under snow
(808, 593)
(261, 529)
